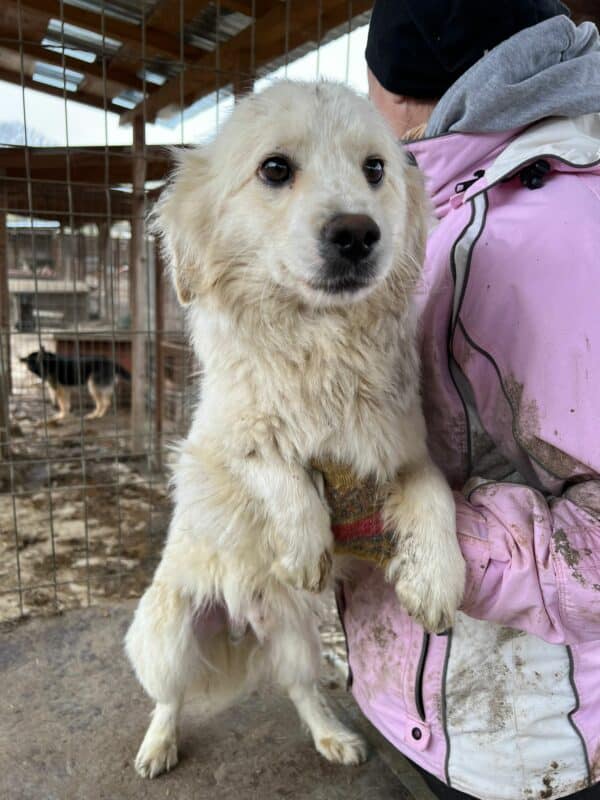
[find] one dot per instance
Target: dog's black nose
(352, 235)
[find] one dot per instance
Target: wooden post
(57, 252)
(116, 281)
(11, 255)
(5, 376)
(138, 286)
(78, 272)
(131, 276)
(68, 254)
(159, 356)
(60, 255)
(83, 255)
(103, 262)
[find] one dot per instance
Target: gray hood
(550, 69)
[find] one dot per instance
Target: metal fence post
(5, 377)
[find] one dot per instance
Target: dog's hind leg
(106, 393)
(162, 649)
(52, 395)
(102, 394)
(176, 658)
(295, 659)
(63, 398)
(158, 751)
(97, 398)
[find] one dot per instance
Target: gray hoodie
(550, 69)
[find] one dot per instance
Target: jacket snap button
(416, 733)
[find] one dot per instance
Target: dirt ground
(74, 715)
(111, 557)
(81, 521)
(78, 528)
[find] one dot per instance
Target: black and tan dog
(62, 373)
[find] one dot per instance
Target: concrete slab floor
(73, 716)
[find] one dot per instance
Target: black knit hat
(418, 48)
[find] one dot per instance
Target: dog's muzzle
(348, 244)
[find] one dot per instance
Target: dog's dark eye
(373, 169)
(276, 170)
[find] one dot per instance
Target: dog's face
(34, 362)
(305, 190)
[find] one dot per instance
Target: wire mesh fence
(96, 377)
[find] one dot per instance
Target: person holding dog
(498, 106)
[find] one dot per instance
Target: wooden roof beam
(157, 42)
(118, 77)
(269, 38)
(46, 156)
(168, 15)
(94, 178)
(584, 10)
(245, 6)
(201, 74)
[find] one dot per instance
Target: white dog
(296, 239)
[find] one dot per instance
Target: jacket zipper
(340, 601)
(464, 185)
(419, 703)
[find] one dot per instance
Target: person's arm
(529, 349)
(533, 563)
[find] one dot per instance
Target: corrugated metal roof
(53, 75)
(214, 23)
(210, 26)
(129, 98)
(127, 10)
(63, 34)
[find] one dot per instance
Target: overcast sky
(52, 118)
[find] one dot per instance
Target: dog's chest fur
(332, 386)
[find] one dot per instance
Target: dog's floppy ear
(420, 213)
(183, 218)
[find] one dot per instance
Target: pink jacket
(510, 327)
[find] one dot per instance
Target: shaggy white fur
(292, 372)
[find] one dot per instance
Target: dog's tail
(122, 372)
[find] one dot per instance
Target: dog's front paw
(155, 757)
(343, 747)
(429, 586)
(435, 617)
(427, 568)
(309, 574)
